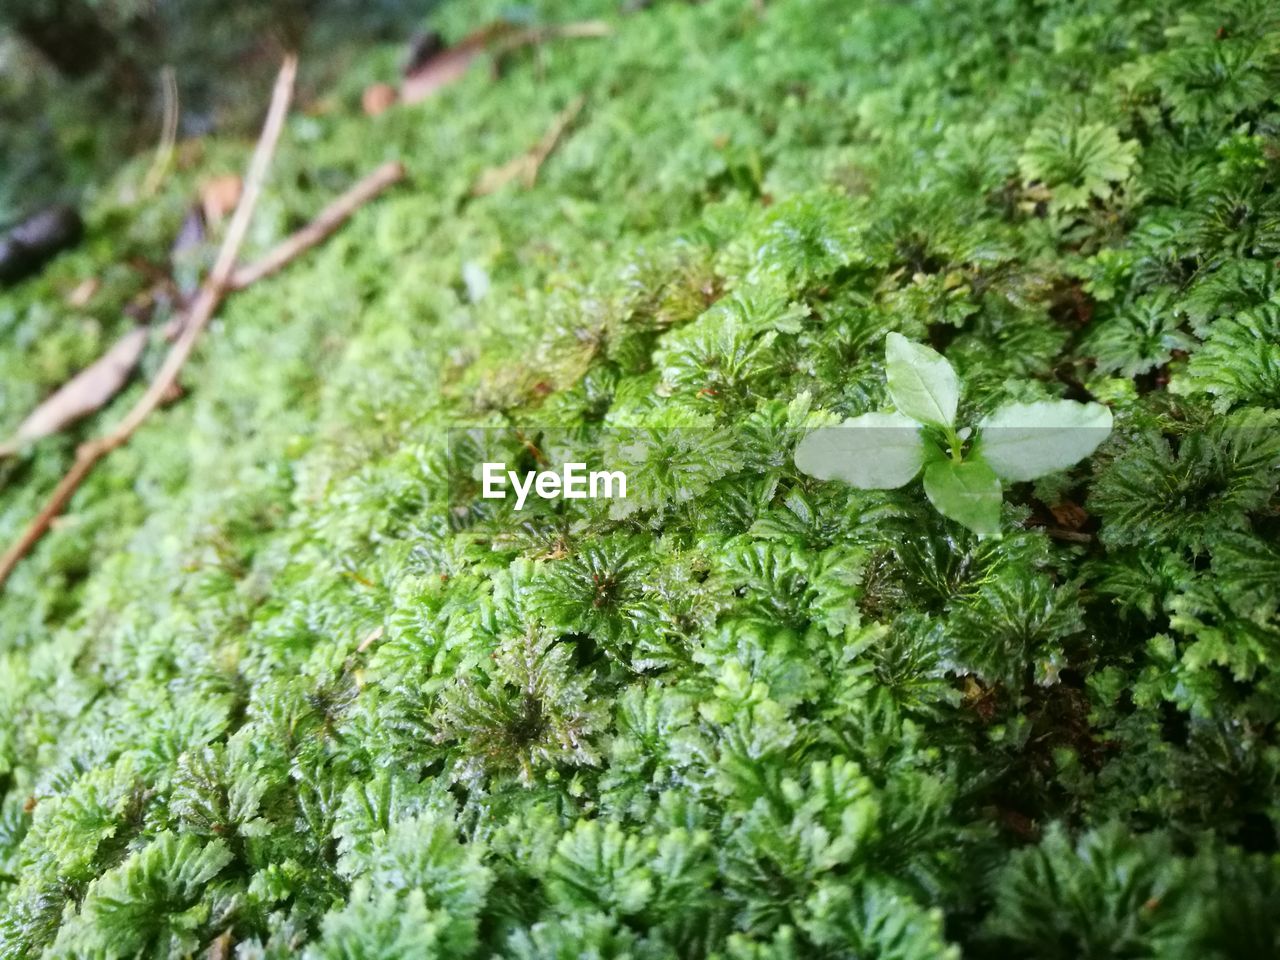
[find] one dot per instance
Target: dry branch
(497, 39)
(321, 228)
(526, 166)
(206, 304)
(371, 638)
(95, 386)
(533, 36)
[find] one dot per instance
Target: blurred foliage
(74, 106)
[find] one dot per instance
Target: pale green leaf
(1023, 441)
(876, 451)
(922, 383)
(968, 492)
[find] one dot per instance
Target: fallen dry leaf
(85, 393)
(443, 68)
(378, 99)
(1070, 515)
(423, 45)
(219, 196)
(172, 393)
(432, 68)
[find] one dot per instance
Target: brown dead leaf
(378, 99)
(1070, 515)
(445, 67)
(423, 45)
(219, 196)
(85, 393)
(433, 68)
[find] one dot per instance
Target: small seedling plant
(964, 468)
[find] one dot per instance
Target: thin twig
(538, 155)
(168, 133)
(211, 295)
(83, 400)
(313, 234)
(371, 638)
(533, 36)
(526, 166)
(321, 228)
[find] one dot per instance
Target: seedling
(963, 468)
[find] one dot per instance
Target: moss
(283, 678)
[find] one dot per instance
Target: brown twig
(97, 384)
(533, 36)
(206, 304)
(448, 66)
(527, 165)
(371, 638)
(321, 228)
(538, 155)
(313, 234)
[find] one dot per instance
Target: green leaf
(1022, 441)
(922, 383)
(1077, 162)
(876, 451)
(602, 867)
(968, 492)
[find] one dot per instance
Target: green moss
(282, 675)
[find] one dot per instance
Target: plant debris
(432, 67)
(211, 295)
(526, 166)
(436, 67)
(219, 196)
(87, 392)
(378, 98)
(745, 713)
(83, 292)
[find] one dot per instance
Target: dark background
(81, 87)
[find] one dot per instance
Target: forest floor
(279, 679)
